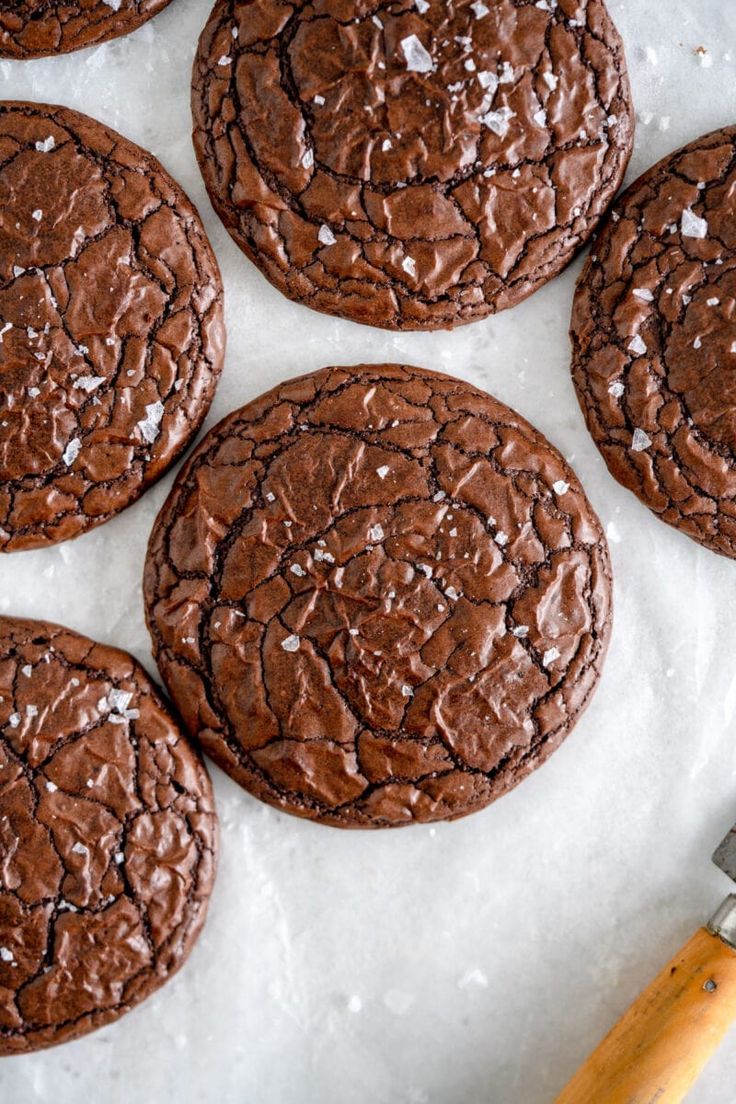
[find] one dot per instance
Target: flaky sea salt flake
(119, 700)
(418, 58)
(71, 452)
(640, 441)
(488, 81)
(88, 383)
(498, 121)
(291, 643)
(691, 226)
(150, 426)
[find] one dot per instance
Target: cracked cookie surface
(654, 340)
(111, 323)
(38, 28)
(107, 836)
(377, 596)
(411, 166)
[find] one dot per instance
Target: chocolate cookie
(111, 323)
(36, 28)
(107, 836)
(654, 340)
(378, 595)
(411, 166)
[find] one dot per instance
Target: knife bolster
(723, 921)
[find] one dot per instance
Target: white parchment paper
(472, 963)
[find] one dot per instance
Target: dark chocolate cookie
(36, 28)
(107, 836)
(654, 340)
(111, 323)
(411, 166)
(378, 595)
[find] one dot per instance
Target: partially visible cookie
(107, 836)
(36, 28)
(412, 166)
(111, 323)
(378, 596)
(654, 340)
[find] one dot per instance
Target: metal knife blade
(724, 855)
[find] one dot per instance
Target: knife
(656, 1051)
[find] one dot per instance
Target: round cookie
(411, 166)
(654, 340)
(377, 596)
(107, 836)
(111, 323)
(37, 28)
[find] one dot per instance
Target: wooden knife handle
(656, 1051)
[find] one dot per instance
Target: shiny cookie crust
(107, 836)
(378, 596)
(654, 341)
(411, 166)
(111, 323)
(39, 28)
